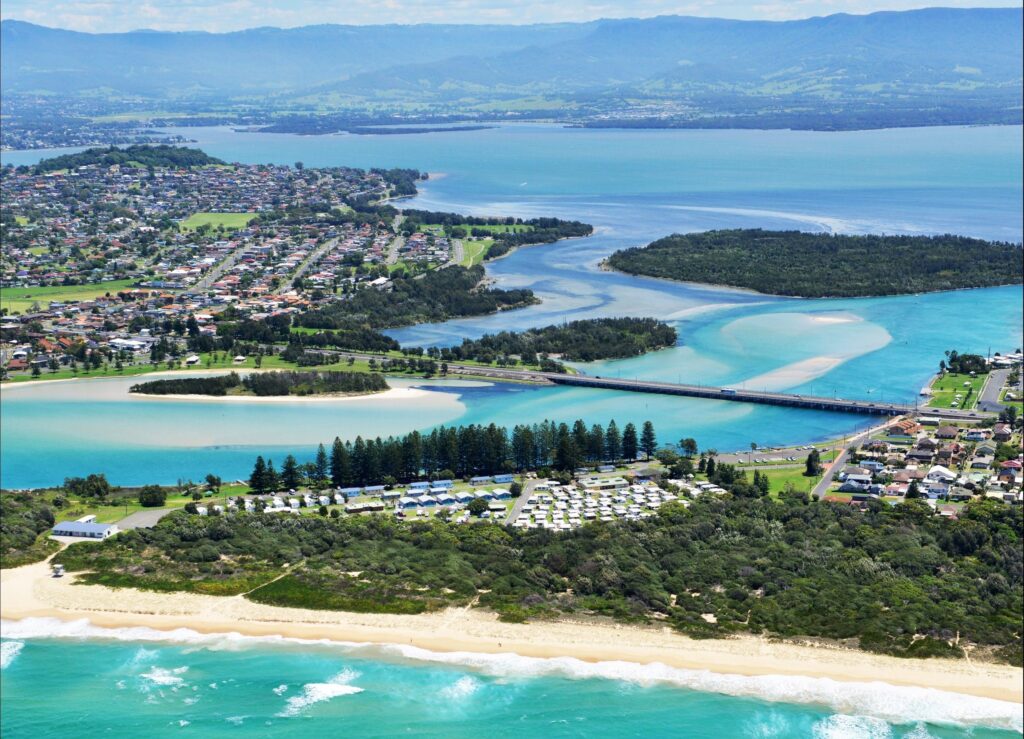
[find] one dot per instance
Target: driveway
(143, 519)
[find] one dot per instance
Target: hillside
(928, 66)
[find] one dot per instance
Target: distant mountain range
(926, 60)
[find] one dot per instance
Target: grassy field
(946, 388)
(473, 252)
(21, 299)
(504, 228)
(778, 479)
(230, 221)
(21, 220)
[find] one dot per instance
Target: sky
(232, 15)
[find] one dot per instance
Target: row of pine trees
(458, 451)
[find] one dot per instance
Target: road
(518, 503)
(821, 489)
(215, 274)
(988, 399)
(313, 258)
(398, 242)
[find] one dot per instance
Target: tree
(477, 506)
(812, 467)
(629, 442)
(515, 489)
(320, 465)
(214, 483)
(258, 478)
(914, 491)
(689, 446)
(152, 496)
(290, 473)
(612, 442)
(648, 441)
(709, 468)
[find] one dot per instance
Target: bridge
(735, 395)
(764, 397)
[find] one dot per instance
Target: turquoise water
(634, 186)
(130, 683)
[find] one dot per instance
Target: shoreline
(29, 592)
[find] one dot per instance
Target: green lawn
(21, 221)
(778, 479)
(473, 252)
(946, 388)
(21, 299)
(230, 221)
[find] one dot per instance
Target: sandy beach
(30, 592)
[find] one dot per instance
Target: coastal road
(822, 488)
(988, 399)
(313, 258)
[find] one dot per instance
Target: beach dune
(29, 591)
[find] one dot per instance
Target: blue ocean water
(129, 683)
(634, 186)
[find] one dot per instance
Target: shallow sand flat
(30, 592)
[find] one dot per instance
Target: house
(503, 479)
(976, 435)
(872, 465)
(1002, 432)
(947, 432)
(85, 530)
(938, 473)
(981, 462)
(927, 444)
(481, 480)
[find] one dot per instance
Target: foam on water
(313, 693)
(165, 677)
(874, 700)
(460, 689)
(8, 651)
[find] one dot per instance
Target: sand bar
(30, 592)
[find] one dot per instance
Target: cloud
(230, 15)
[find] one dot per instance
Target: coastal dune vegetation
(897, 579)
(818, 265)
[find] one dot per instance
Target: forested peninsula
(267, 384)
(144, 155)
(577, 341)
(816, 265)
(438, 295)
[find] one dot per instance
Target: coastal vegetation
(898, 580)
(438, 295)
(267, 384)
(141, 155)
(816, 265)
(25, 518)
(582, 341)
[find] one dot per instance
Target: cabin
(503, 479)
(501, 494)
(481, 480)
